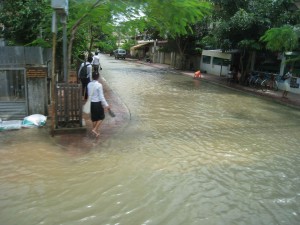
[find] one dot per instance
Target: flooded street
(190, 153)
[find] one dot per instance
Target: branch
(78, 22)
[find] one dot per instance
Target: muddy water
(191, 153)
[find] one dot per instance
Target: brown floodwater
(190, 153)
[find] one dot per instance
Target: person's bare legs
(96, 126)
(284, 94)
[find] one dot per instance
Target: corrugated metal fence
(13, 60)
(11, 56)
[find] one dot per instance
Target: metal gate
(13, 94)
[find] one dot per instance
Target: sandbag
(10, 125)
(35, 120)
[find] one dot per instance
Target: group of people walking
(88, 74)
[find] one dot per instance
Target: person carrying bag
(97, 103)
(87, 106)
(85, 75)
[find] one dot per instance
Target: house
(143, 49)
(155, 51)
(216, 62)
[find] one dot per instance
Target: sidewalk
(293, 99)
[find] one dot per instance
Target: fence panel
(68, 105)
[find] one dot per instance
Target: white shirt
(89, 70)
(96, 60)
(95, 91)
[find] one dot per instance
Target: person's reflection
(197, 83)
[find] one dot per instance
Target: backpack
(83, 72)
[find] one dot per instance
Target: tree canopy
(237, 20)
(175, 18)
(281, 39)
(224, 24)
(240, 24)
(26, 21)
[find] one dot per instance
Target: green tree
(89, 20)
(174, 20)
(106, 42)
(81, 20)
(281, 39)
(26, 22)
(239, 24)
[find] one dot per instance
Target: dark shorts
(97, 111)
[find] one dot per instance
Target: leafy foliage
(240, 24)
(239, 20)
(280, 39)
(242, 20)
(249, 44)
(26, 20)
(175, 18)
(94, 23)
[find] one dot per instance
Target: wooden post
(53, 83)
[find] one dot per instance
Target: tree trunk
(92, 40)
(181, 50)
(248, 65)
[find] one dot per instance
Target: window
(217, 61)
(12, 85)
(293, 64)
(206, 59)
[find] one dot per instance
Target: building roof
(140, 45)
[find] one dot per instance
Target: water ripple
(192, 153)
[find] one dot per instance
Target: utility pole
(60, 7)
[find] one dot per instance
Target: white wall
(292, 90)
(210, 68)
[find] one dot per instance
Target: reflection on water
(192, 153)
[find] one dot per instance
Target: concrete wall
(37, 96)
(294, 88)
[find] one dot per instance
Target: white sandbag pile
(10, 125)
(35, 120)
